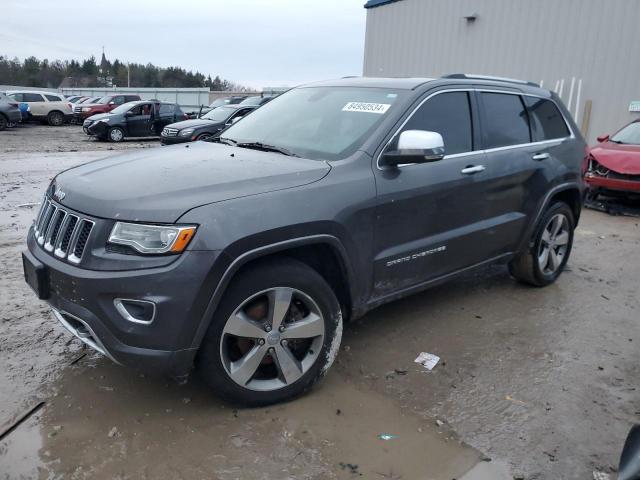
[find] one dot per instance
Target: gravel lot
(541, 381)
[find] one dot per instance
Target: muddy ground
(541, 381)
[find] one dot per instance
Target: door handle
(471, 169)
(540, 156)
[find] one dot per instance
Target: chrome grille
(169, 132)
(61, 232)
(77, 109)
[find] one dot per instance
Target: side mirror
(112, 102)
(602, 138)
(129, 114)
(415, 146)
(235, 119)
(630, 459)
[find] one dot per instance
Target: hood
(161, 184)
(99, 116)
(197, 122)
(623, 159)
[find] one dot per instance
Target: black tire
(526, 266)
(115, 134)
(3, 122)
(274, 273)
(203, 136)
(55, 118)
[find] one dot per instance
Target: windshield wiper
(226, 141)
(266, 148)
(618, 142)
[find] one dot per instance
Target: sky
(257, 43)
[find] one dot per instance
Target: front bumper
(83, 301)
(96, 129)
(175, 140)
(597, 182)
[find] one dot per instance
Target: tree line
(33, 72)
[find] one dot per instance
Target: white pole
(578, 99)
(557, 86)
(573, 82)
(541, 83)
(561, 88)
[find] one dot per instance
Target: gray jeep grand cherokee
(243, 256)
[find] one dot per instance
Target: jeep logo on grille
(59, 194)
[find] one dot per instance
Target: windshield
(219, 102)
(251, 101)
(323, 123)
(628, 135)
(122, 108)
(219, 114)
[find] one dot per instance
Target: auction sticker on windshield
(380, 108)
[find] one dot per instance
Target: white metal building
(588, 51)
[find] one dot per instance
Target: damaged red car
(614, 163)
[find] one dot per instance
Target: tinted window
(546, 119)
(119, 100)
(53, 98)
(16, 96)
(141, 109)
(505, 120)
(448, 114)
(32, 97)
(132, 98)
(167, 108)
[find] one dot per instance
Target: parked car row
(115, 118)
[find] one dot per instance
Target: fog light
(136, 311)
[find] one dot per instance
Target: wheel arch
(570, 193)
(324, 253)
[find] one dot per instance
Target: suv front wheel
(550, 248)
(276, 331)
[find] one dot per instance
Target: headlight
(186, 132)
(105, 120)
(152, 238)
(86, 109)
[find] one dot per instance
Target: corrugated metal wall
(592, 44)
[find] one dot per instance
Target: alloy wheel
(553, 244)
(272, 339)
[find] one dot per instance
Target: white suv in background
(49, 107)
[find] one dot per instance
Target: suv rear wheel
(55, 118)
(276, 331)
(544, 261)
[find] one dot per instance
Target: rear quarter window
(505, 120)
(546, 120)
(53, 98)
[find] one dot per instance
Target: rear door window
(546, 120)
(167, 109)
(32, 97)
(132, 98)
(448, 114)
(505, 120)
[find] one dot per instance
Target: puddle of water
(109, 422)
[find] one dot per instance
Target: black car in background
(206, 126)
(220, 102)
(257, 100)
(133, 119)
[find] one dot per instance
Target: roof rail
(488, 77)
